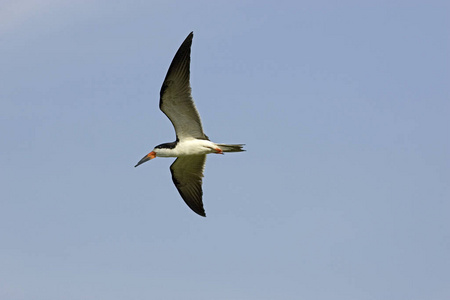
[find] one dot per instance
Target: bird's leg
(218, 151)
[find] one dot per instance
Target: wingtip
(199, 212)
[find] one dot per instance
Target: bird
(191, 145)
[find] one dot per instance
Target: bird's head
(149, 156)
(164, 150)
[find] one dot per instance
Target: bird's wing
(187, 173)
(175, 97)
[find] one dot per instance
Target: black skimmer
(191, 144)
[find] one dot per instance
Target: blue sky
(343, 192)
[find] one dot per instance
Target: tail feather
(231, 147)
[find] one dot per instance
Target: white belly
(189, 147)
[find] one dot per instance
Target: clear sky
(343, 193)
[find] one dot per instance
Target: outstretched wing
(187, 173)
(175, 97)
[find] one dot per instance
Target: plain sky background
(344, 190)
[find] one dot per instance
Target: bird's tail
(231, 147)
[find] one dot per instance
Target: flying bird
(191, 145)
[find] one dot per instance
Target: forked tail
(231, 147)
